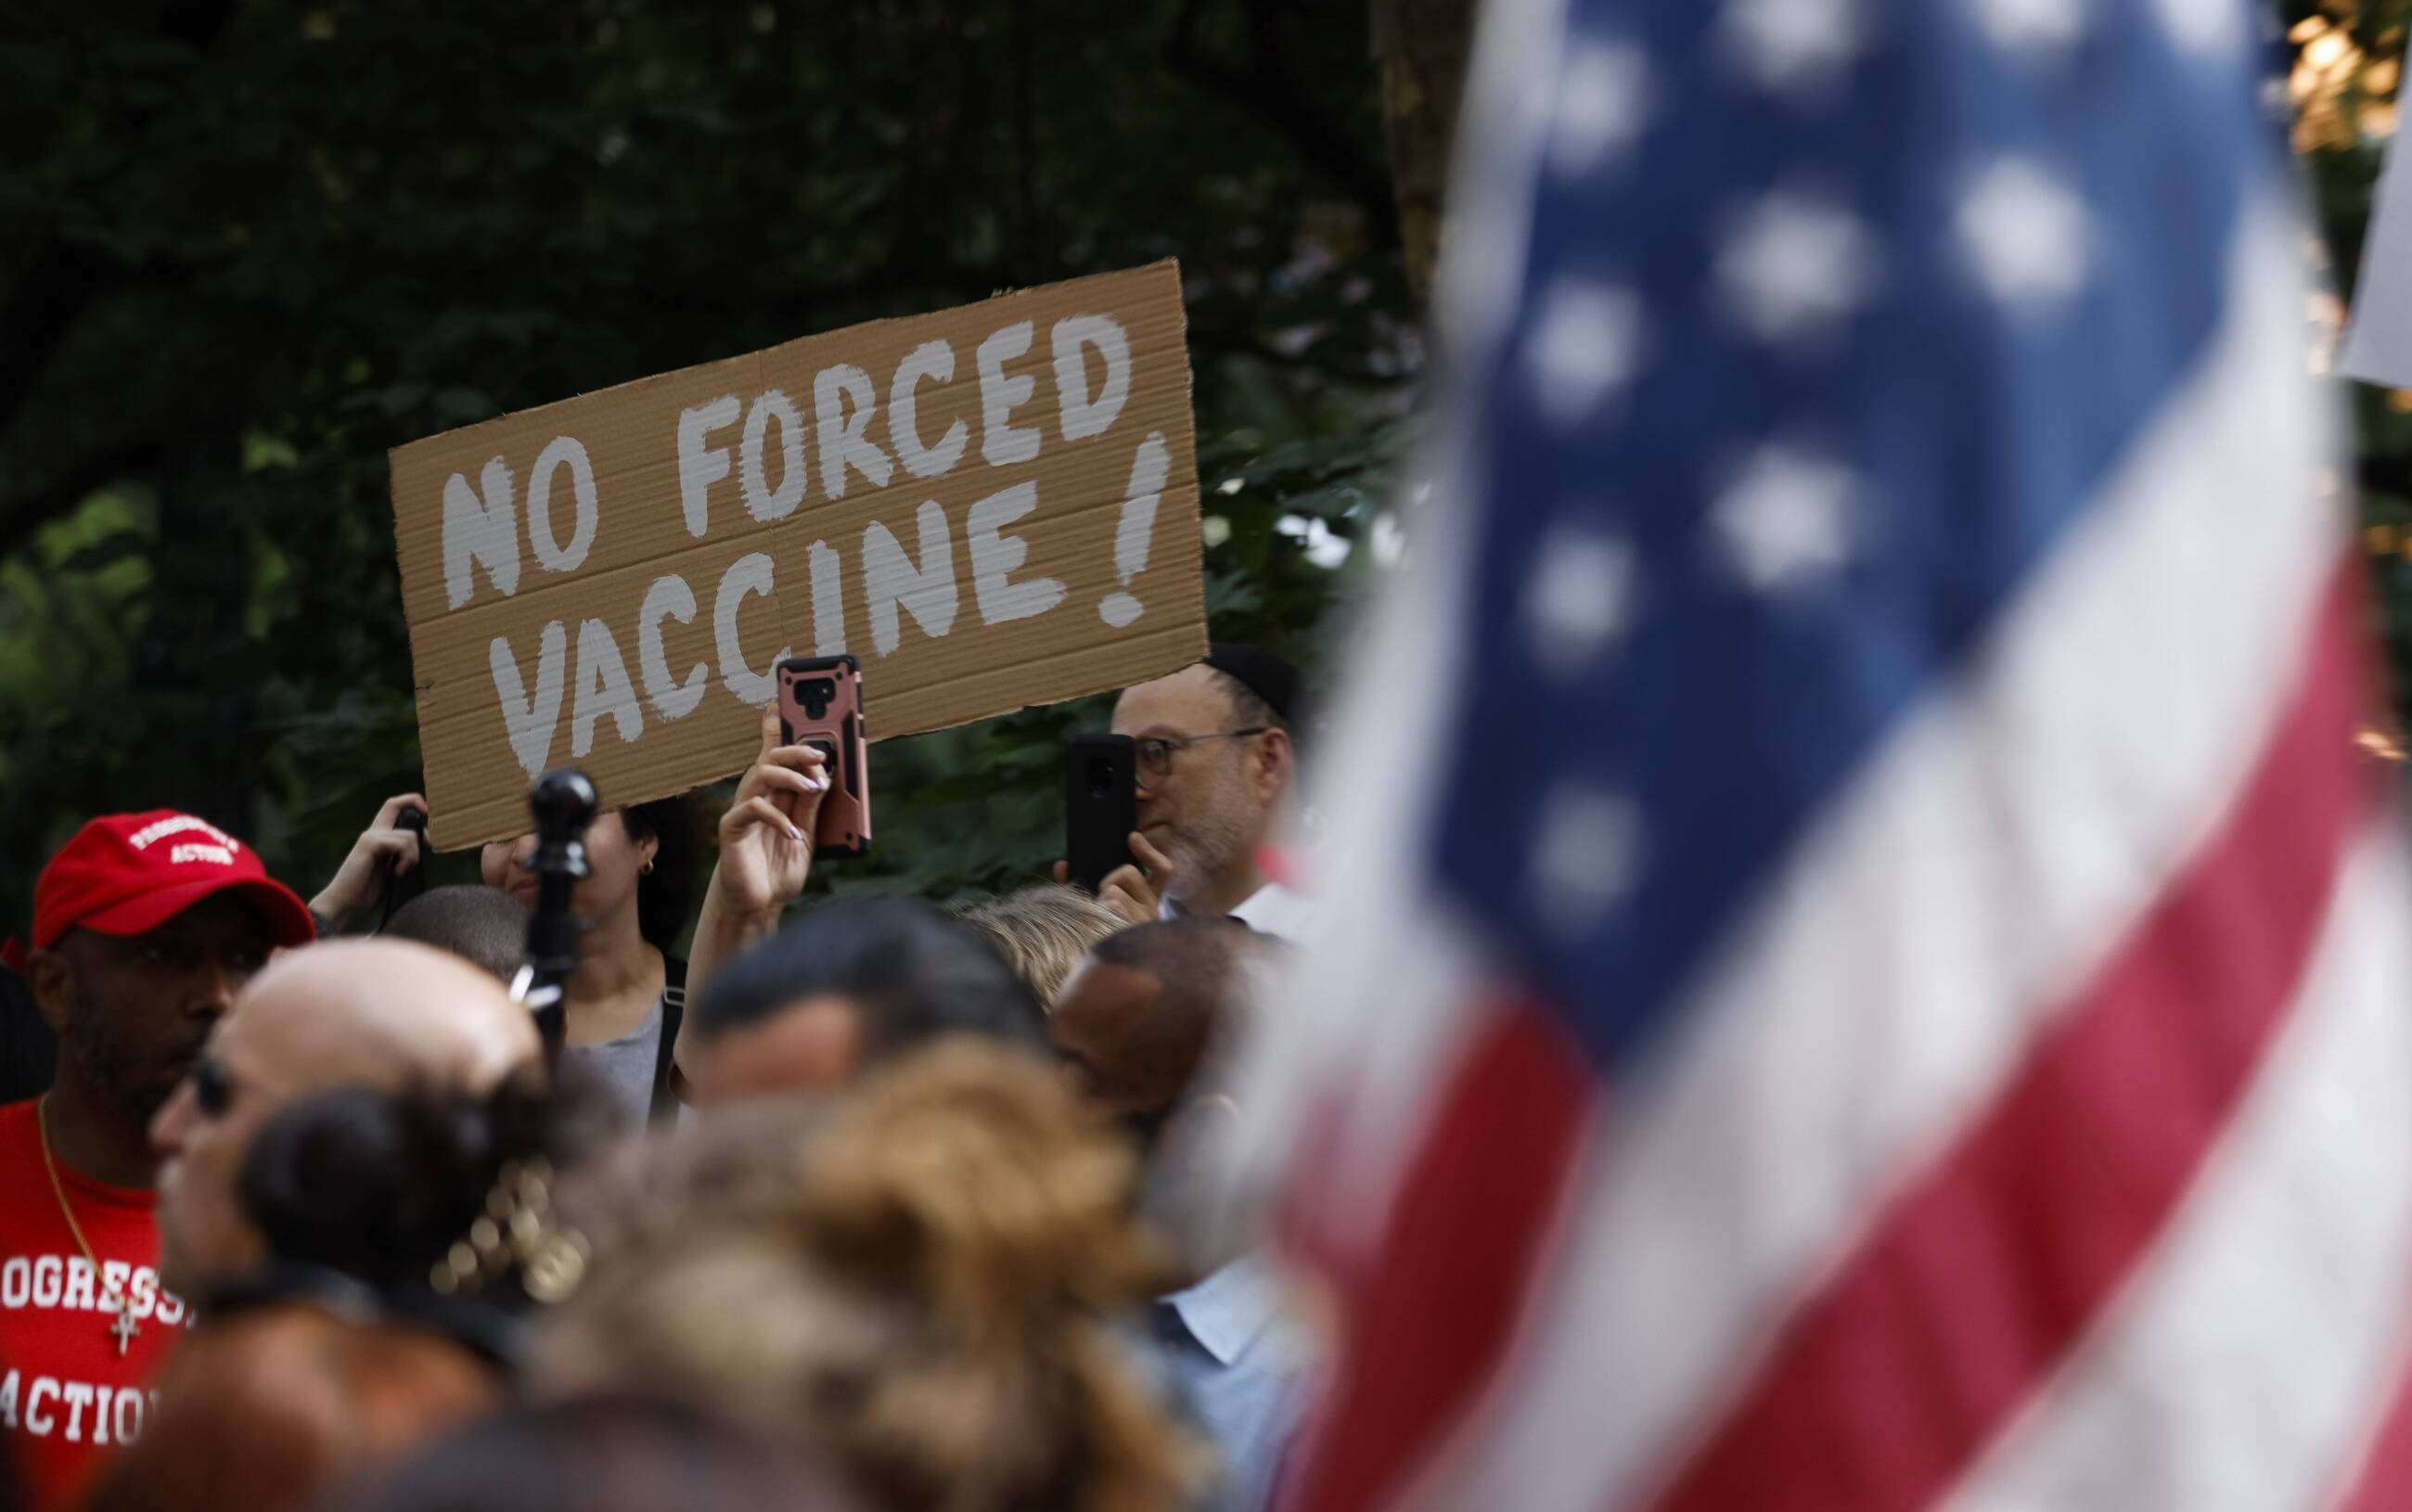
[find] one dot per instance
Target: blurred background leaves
(2343, 65)
(246, 246)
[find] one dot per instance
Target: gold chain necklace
(125, 1328)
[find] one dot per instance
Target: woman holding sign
(625, 1001)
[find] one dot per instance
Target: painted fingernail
(817, 783)
(795, 835)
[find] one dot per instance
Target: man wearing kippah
(145, 925)
(1216, 763)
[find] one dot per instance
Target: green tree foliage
(246, 246)
(2346, 61)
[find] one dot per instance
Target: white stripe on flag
(2242, 1365)
(1373, 1012)
(1987, 863)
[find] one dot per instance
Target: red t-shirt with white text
(67, 1397)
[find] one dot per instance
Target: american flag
(1868, 970)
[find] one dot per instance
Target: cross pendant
(125, 1328)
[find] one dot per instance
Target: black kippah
(1261, 672)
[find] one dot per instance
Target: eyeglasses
(1155, 751)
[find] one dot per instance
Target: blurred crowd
(860, 1205)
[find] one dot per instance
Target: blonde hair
(922, 1285)
(1042, 933)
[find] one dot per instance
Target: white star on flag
(1579, 598)
(1796, 266)
(1792, 46)
(1603, 98)
(2033, 27)
(2025, 233)
(1586, 855)
(2207, 28)
(1785, 519)
(1582, 345)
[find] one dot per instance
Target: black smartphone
(1100, 806)
(402, 887)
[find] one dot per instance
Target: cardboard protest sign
(992, 506)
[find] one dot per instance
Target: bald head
(375, 1013)
(345, 1013)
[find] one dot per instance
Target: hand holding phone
(820, 705)
(766, 836)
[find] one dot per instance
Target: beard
(110, 1069)
(1211, 837)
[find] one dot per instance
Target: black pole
(564, 804)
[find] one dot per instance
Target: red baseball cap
(129, 873)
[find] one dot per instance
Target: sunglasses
(212, 1088)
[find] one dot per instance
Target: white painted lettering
(603, 688)
(763, 501)
(179, 855)
(936, 361)
(995, 556)
(39, 1426)
(151, 834)
(171, 1312)
(115, 1276)
(47, 1272)
(128, 1429)
(700, 466)
(483, 531)
(145, 1291)
(16, 1280)
(845, 438)
(1151, 466)
(531, 719)
(1085, 414)
(829, 599)
(1004, 445)
(78, 1298)
(749, 573)
(669, 598)
(562, 451)
(8, 1402)
(889, 579)
(79, 1397)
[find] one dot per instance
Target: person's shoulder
(343, 1379)
(1280, 911)
(247, 1409)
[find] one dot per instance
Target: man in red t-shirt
(145, 925)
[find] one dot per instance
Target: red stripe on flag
(2383, 1481)
(1974, 1281)
(1425, 1324)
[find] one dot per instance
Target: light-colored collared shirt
(1246, 1369)
(1272, 909)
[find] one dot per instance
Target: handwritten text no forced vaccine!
(990, 506)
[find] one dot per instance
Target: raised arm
(766, 854)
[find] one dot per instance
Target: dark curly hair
(378, 1184)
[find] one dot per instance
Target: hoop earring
(645, 868)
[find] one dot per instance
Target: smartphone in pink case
(820, 705)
